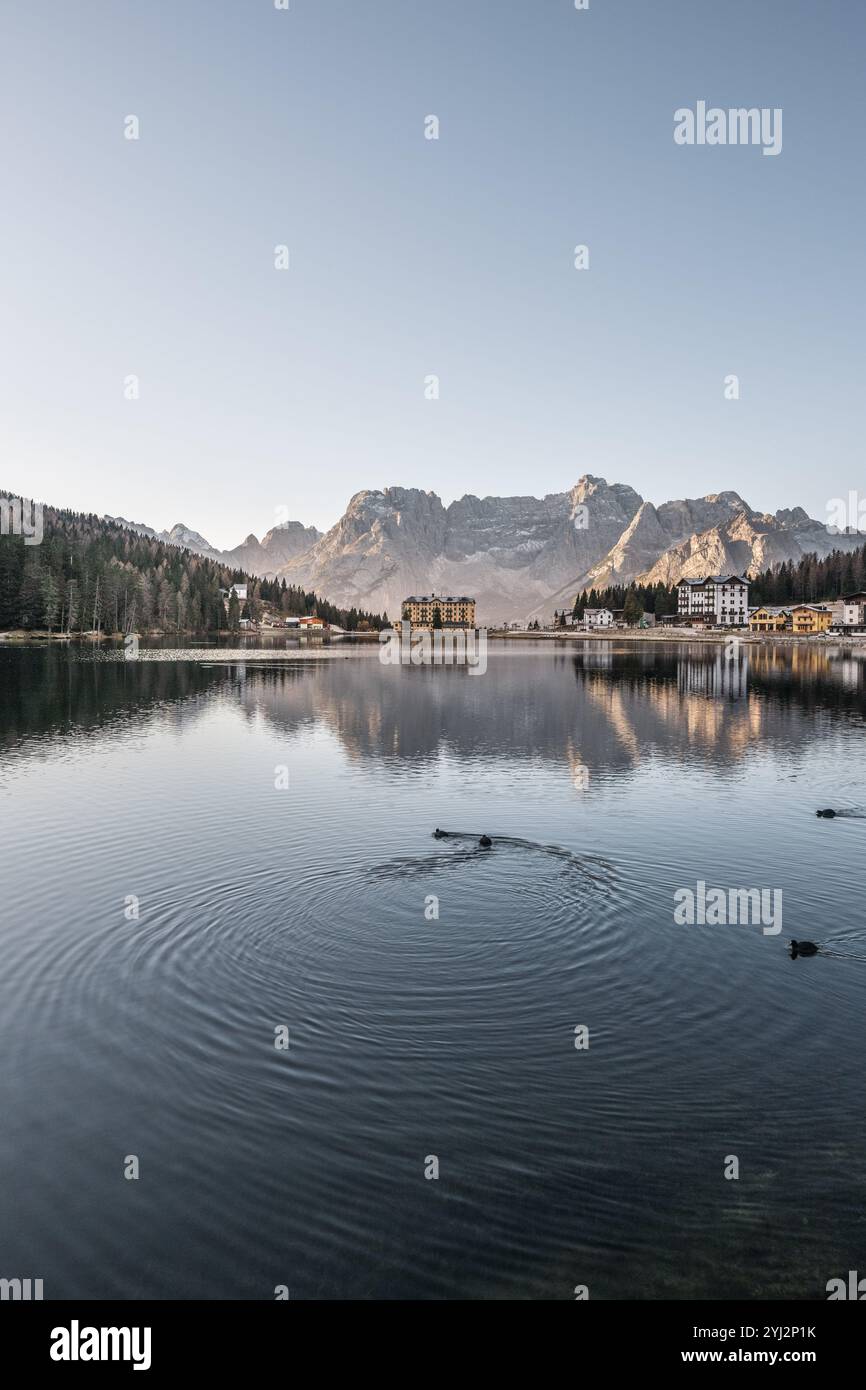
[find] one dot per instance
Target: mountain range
(263, 557)
(519, 557)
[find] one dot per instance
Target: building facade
(716, 601)
(769, 619)
(597, 617)
(810, 618)
(453, 612)
(854, 610)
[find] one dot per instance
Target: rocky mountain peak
(520, 556)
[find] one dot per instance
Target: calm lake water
(623, 773)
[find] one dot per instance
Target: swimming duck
(803, 948)
(828, 813)
(485, 842)
(438, 834)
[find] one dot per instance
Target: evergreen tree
(71, 605)
(50, 600)
(633, 609)
(11, 570)
(234, 612)
(30, 605)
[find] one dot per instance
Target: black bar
(245, 1338)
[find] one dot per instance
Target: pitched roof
(716, 579)
(437, 598)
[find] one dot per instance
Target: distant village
(721, 602)
(716, 602)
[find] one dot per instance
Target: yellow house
(809, 618)
(767, 619)
(453, 612)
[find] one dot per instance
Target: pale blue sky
(261, 388)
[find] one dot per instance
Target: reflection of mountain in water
(611, 708)
(594, 704)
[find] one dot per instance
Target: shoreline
(22, 635)
(668, 634)
(854, 641)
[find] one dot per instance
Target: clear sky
(262, 388)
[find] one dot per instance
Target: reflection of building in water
(714, 673)
(780, 663)
(604, 710)
(645, 714)
(849, 673)
(596, 656)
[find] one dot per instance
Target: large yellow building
(767, 619)
(453, 612)
(809, 618)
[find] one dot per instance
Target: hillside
(95, 574)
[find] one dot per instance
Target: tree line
(93, 575)
(633, 599)
(808, 580)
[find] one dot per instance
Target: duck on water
(484, 840)
(795, 948)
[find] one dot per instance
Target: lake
(208, 855)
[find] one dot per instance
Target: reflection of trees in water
(596, 706)
(599, 708)
(49, 690)
(823, 675)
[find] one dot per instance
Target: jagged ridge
(521, 556)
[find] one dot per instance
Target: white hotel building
(716, 601)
